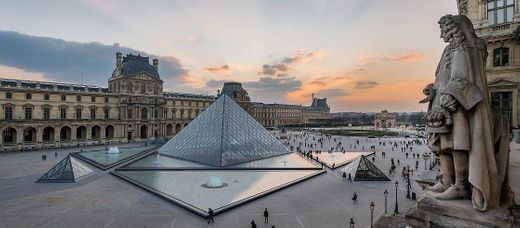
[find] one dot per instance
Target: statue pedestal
(430, 212)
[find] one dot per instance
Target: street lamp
(396, 210)
(386, 198)
(372, 205)
(351, 223)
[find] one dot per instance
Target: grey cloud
(366, 84)
(61, 60)
(274, 70)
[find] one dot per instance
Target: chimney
(119, 58)
(156, 63)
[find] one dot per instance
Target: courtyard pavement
(103, 200)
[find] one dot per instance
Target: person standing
(253, 224)
(266, 216)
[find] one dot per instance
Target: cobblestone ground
(103, 200)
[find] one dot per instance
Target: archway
(81, 133)
(29, 135)
(177, 128)
(109, 132)
(48, 134)
(144, 131)
(169, 130)
(65, 133)
(96, 132)
(9, 136)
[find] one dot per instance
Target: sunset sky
(363, 55)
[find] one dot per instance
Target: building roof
(134, 64)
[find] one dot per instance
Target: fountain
(157, 159)
(214, 182)
(113, 150)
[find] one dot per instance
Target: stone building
(384, 119)
(36, 114)
(497, 22)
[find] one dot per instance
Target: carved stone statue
(472, 144)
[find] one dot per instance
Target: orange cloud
(404, 58)
(16, 73)
(224, 69)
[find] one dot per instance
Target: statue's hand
(448, 102)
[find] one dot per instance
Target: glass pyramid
(67, 170)
(362, 169)
(223, 135)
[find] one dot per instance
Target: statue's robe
(463, 77)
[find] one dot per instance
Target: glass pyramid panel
(363, 169)
(79, 169)
(224, 134)
(67, 170)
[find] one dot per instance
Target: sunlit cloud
(224, 69)
(189, 39)
(404, 58)
(16, 73)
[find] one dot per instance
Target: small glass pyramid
(67, 170)
(223, 135)
(362, 169)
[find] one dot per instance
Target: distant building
(384, 119)
(498, 23)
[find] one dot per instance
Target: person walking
(354, 198)
(55, 154)
(210, 216)
(344, 176)
(266, 216)
(350, 177)
(253, 224)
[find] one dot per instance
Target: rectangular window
(78, 113)
(106, 99)
(8, 95)
(500, 57)
(46, 97)
(8, 113)
(28, 113)
(46, 113)
(105, 111)
(130, 116)
(501, 103)
(500, 11)
(28, 96)
(78, 98)
(63, 113)
(93, 99)
(92, 113)
(63, 97)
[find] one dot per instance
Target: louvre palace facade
(37, 114)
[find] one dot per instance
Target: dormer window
(500, 11)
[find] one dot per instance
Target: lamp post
(396, 210)
(386, 198)
(351, 223)
(372, 205)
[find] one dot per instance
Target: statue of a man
(473, 154)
